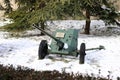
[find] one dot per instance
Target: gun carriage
(64, 42)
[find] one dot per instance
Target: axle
(99, 48)
(83, 49)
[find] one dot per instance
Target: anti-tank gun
(64, 42)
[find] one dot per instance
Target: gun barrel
(60, 43)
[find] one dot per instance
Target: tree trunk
(87, 26)
(42, 26)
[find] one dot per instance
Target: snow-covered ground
(24, 51)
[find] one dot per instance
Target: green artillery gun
(64, 42)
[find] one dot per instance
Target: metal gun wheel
(82, 53)
(43, 49)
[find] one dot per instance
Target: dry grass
(23, 73)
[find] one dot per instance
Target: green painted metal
(64, 42)
(70, 39)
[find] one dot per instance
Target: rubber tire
(82, 53)
(43, 49)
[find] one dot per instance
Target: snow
(105, 8)
(4, 21)
(24, 50)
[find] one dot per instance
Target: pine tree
(34, 11)
(29, 11)
(100, 8)
(39, 11)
